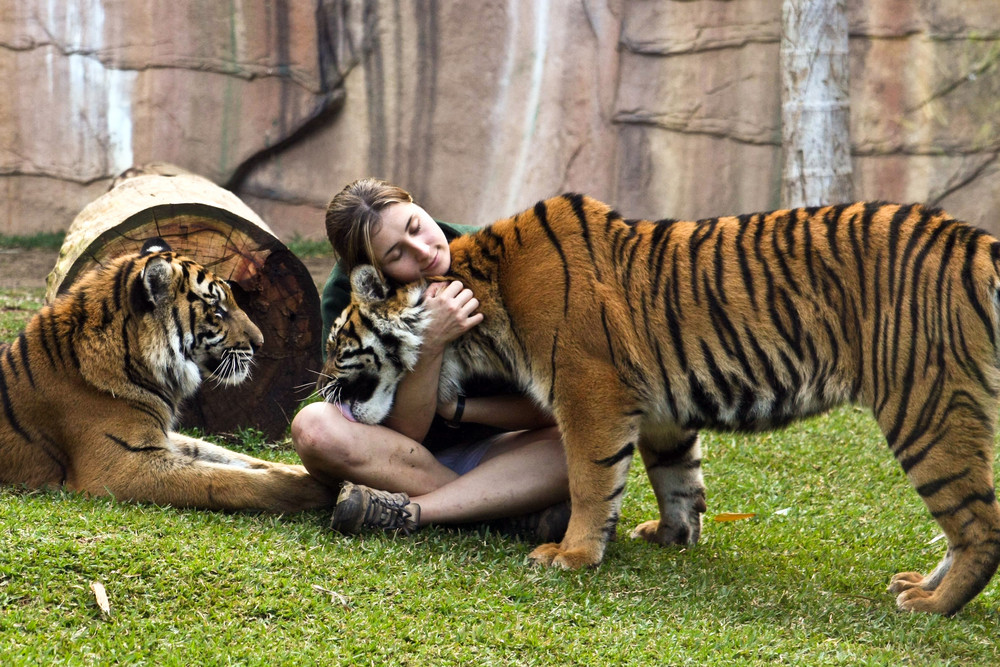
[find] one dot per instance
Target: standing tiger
(91, 388)
(636, 334)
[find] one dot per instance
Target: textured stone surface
(481, 107)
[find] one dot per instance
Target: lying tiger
(637, 334)
(91, 388)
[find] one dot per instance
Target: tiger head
(190, 327)
(372, 345)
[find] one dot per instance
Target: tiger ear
(156, 278)
(368, 285)
(154, 245)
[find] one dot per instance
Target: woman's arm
(511, 413)
(452, 312)
(416, 398)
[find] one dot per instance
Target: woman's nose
(419, 249)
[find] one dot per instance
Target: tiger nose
(255, 337)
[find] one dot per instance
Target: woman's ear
(368, 285)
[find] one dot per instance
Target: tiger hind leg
(673, 465)
(951, 468)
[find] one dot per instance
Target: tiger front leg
(140, 465)
(599, 448)
(673, 464)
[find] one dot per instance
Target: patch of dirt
(26, 268)
(29, 268)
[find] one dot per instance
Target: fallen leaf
(101, 596)
(734, 516)
(334, 595)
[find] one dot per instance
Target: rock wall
(481, 107)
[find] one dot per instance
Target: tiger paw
(661, 532)
(917, 599)
(647, 530)
(904, 581)
(552, 555)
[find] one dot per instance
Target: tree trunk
(212, 226)
(815, 115)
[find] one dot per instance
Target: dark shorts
(463, 458)
(460, 449)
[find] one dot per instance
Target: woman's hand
(452, 310)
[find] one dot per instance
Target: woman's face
(409, 245)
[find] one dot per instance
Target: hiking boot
(362, 508)
(547, 525)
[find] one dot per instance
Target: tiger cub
(91, 388)
(636, 334)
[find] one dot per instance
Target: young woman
(505, 457)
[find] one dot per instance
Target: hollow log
(213, 227)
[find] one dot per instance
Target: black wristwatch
(456, 419)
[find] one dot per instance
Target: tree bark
(815, 114)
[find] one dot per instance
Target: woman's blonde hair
(354, 215)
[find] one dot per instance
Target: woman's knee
(320, 437)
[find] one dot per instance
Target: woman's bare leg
(522, 472)
(333, 449)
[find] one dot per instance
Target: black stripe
(970, 286)
(123, 443)
(629, 265)
(832, 220)
(988, 497)
(618, 456)
(726, 332)
(658, 243)
(50, 330)
(119, 283)
(614, 494)
(388, 341)
(552, 366)
(702, 398)
(702, 232)
(8, 355)
(894, 231)
(779, 256)
(770, 375)
(8, 409)
(669, 459)
(132, 374)
(542, 214)
(576, 201)
(930, 488)
(859, 263)
(720, 268)
(741, 255)
(674, 327)
(719, 379)
(913, 460)
(671, 402)
(607, 334)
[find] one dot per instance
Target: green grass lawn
(801, 583)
